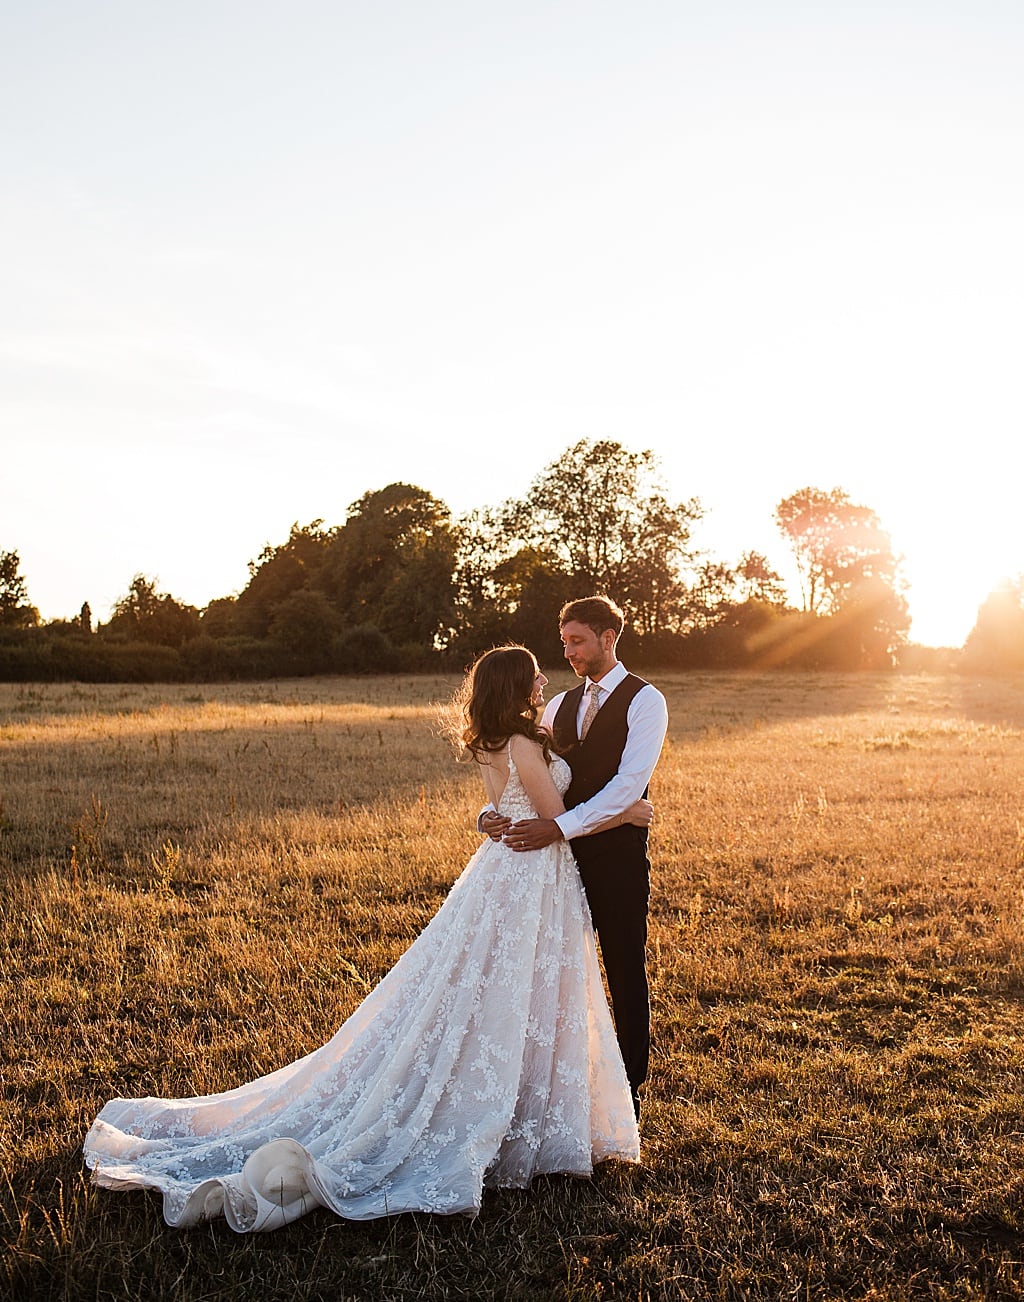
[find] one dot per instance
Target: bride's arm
(535, 776)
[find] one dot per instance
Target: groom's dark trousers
(614, 868)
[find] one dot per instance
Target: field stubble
(200, 884)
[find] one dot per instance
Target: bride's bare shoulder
(524, 750)
(520, 743)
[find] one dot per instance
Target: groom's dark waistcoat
(595, 760)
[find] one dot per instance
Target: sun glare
(944, 595)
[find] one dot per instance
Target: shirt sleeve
(547, 719)
(647, 720)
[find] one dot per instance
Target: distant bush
(18, 663)
(78, 657)
(364, 649)
(218, 659)
(141, 662)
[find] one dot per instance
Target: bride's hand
(494, 825)
(640, 813)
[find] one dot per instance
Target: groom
(610, 728)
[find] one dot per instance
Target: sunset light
(512, 649)
(274, 259)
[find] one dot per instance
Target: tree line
(402, 584)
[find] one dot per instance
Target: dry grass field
(200, 883)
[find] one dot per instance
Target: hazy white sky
(261, 258)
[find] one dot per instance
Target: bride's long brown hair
(493, 703)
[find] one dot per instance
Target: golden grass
(200, 883)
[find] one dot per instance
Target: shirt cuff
(569, 824)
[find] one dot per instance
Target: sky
(261, 258)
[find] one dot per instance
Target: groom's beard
(585, 668)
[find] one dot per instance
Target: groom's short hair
(598, 613)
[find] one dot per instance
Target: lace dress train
(485, 1057)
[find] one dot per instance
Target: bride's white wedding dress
(485, 1057)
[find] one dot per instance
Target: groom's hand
(533, 834)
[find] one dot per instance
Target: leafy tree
(219, 617)
(145, 615)
(305, 623)
(16, 611)
(85, 618)
(507, 591)
(391, 565)
(601, 512)
(710, 595)
(848, 571)
(530, 591)
(758, 582)
(996, 643)
(654, 593)
(481, 619)
(278, 572)
(741, 597)
(836, 543)
(872, 624)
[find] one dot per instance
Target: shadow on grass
(998, 702)
(68, 1239)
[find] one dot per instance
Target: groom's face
(590, 654)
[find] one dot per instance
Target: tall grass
(199, 885)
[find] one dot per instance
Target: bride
(485, 1057)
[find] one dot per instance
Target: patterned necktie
(591, 713)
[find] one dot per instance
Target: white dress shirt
(647, 721)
